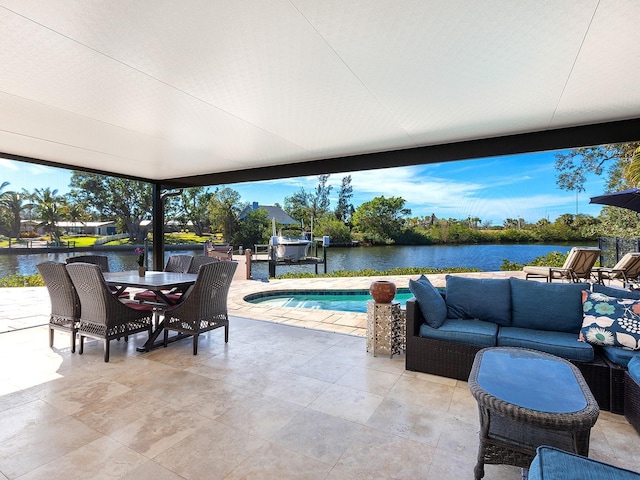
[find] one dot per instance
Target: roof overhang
(202, 93)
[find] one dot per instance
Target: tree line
(382, 220)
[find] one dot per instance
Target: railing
(614, 248)
(111, 238)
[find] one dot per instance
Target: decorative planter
(142, 271)
(382, 291)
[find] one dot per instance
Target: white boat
(292, 249)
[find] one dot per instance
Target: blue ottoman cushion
(553, 464)
(561, 344)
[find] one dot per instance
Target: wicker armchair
(65, 305)
(100, 260)
(102, 315)
(204, 306)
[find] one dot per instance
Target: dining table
(157, 282)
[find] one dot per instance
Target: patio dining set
(87, 300)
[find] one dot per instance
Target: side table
(386, 328)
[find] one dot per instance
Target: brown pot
(141, 271)
(382, 291)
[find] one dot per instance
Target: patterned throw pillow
(610, 321)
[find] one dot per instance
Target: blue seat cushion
(561, 344)
(431, 303)
(620, 356)
(552, 464)
(472, 332)
(555, 307)
(616, 291)
(634, 368)
(487, 299)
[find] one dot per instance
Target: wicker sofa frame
(632, 401)
(454, 360)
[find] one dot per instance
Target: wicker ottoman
(527, 399)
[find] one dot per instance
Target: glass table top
(530, 380)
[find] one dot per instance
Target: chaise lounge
(577, 267)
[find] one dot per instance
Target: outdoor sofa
(445, 329)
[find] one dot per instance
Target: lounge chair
(577, 267)
(627, 270)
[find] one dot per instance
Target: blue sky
(492, 189)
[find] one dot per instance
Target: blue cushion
(555, 307)
(487, 299)
(561, 344)
(620, 356)
(432, 305)
(552, 464)
(472, 332)
(611, 321)
(616, 291)
(634, 368)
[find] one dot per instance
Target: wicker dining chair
(175, 263)
(100, 260)
(102, 315)
(204, 306)
(65, 305)
(200, 260)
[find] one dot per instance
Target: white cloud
(9, 164)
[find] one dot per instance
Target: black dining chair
(65, 304)
(102, 315)
(204, 306)
(101, 260)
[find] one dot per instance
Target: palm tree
(632, 170)
(48, 208)
(12, 202)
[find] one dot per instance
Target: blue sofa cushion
(556, 307)
(432, 305)
(486, 299)
(616, 291)
(472, 332)
(634, 368)
(561, 344)
(552, 464)
(620, 356)
(611, 321)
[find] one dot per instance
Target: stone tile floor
(277, 402)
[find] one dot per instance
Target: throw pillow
(610, 321)
(487, 299)
(432, 305)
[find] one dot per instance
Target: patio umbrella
(629, 199)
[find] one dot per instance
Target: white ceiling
(163, 88)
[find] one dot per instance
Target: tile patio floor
(277, 402)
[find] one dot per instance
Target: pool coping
(351, 323)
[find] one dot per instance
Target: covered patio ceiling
(203, 92)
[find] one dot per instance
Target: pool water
(342, 300)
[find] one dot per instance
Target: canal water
(482, 257)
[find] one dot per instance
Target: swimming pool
(342, 300)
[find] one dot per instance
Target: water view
(483, 257)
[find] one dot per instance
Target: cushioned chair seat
(561, 344)
(473, 332)
(553, 464)
(620, 356)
